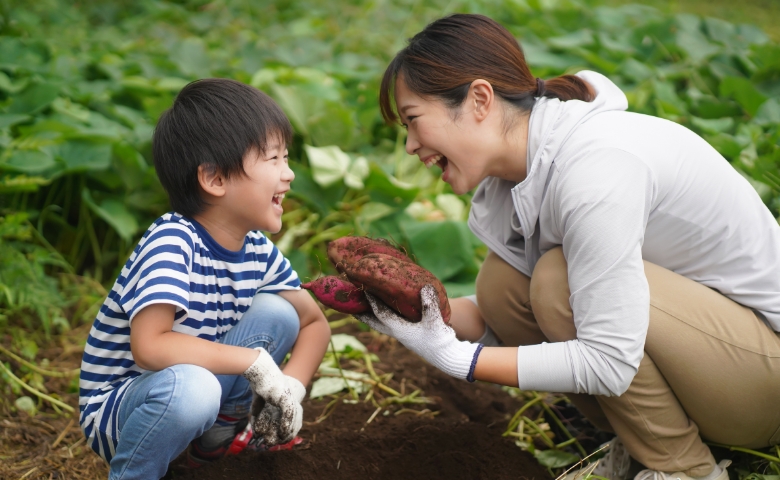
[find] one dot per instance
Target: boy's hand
(270, 384)
(267, 418)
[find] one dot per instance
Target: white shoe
(656, 475)
(613, 466)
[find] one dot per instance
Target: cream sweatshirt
(614, 188)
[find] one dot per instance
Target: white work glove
(269, 416)
(430, 338)
(271, 385)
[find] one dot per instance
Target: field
(83, 83)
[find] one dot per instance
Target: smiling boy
(206, 307)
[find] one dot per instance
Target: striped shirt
(176, 262)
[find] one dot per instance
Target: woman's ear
(482, 98)
(211, 180)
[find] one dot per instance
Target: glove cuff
(262, 363)
(297, 389)
(459, 360)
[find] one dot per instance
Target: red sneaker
(197, 456)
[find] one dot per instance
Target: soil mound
(463, 441)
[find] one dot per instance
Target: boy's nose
(288, 175)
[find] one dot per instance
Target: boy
(206, 308)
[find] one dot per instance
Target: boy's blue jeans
(162, 412)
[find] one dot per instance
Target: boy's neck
(224, 231)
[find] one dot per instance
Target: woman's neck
(511, 162)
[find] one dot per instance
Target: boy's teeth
(279, 197)
(433, 160)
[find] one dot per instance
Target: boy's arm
(155, 346)
(313, 338)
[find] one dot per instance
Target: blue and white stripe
(176, 262)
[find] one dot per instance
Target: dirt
(462, 441)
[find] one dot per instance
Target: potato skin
(339, 294)
(348, 250)
(397, 283)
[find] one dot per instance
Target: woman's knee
(550, 296)
(194, 395)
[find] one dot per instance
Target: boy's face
(256, 198)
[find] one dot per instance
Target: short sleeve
(279, 275)
(160, 272)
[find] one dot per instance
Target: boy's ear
(211, 180)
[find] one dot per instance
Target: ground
(463, 440)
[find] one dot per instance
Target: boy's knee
(550, 297)
(281, 312)
(195, 395)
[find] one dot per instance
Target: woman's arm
(466, 320)
(313, 338)
(497, 365)
(155, 346)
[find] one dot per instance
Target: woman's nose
(412, 145)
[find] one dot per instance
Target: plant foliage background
(82, 85)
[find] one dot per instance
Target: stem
(341, 372)
(36, 368)
(746, 450)
(35, 392)
(565, 430)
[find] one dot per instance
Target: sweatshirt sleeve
(601, 205)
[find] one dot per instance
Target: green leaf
(328, 164)
(29, 161)
(115, 214)
(744, 92)
(8, 119)
(444, 248)
(34, 98)
(768, 113)
(81, 155)
(9, 86)
(357, 173)
(191, 57)
(27, 405)
(713, 125)
(692, 41)
(555, 458)
(385, 189)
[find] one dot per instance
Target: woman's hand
(430, 338)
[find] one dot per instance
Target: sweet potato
(339, 294)
(397, 283)
(348, 250)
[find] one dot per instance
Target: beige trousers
(711, 368)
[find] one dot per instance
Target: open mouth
(277, 199)
(437, 159)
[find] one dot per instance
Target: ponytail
(450, 53)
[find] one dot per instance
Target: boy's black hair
(213, 122)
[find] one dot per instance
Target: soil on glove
(463, 441)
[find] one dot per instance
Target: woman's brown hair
(450, 53)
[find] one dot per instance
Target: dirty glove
(264, 413)
(271, 385)
(430, 338)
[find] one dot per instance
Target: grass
(762, 13)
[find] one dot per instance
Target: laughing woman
(630, 265)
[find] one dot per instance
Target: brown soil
(462, 441)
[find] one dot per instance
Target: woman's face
(456, 143)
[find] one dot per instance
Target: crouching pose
(206, 308)
(630, 265)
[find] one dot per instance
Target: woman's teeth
(431, 161)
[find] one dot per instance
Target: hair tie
(540, 88)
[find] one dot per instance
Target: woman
(630, 265)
